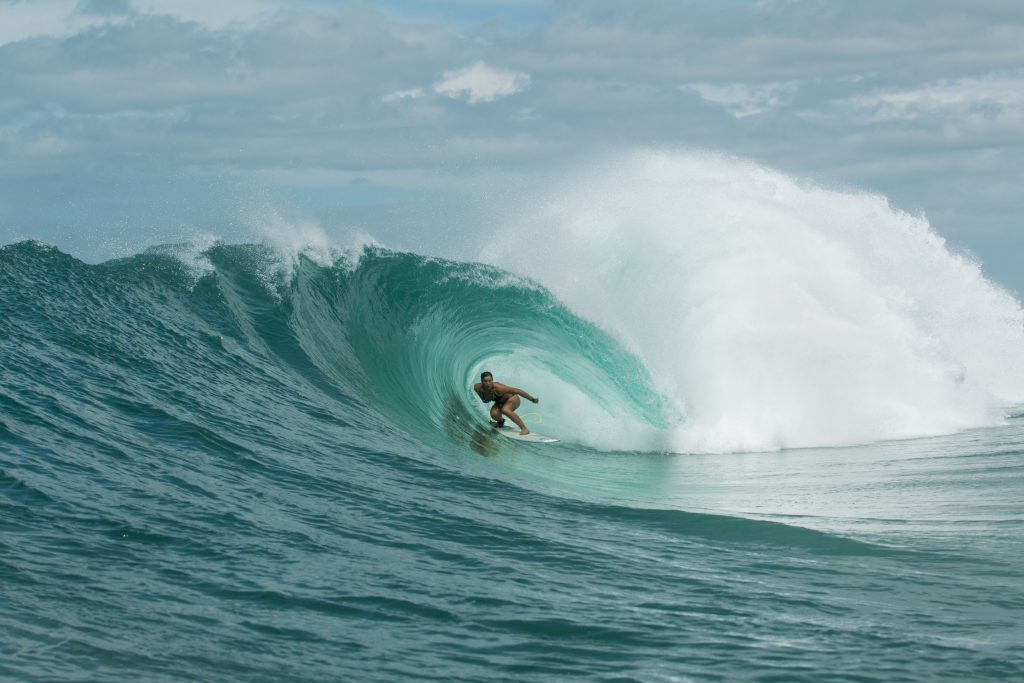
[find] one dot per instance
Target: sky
(127, 123)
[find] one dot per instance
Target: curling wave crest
(770, 312)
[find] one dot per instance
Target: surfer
(506, 400)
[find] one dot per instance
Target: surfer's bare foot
(524, 432)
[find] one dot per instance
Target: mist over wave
(770, 312)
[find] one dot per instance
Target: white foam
(292, 236)
(774, 313)
(190, 253)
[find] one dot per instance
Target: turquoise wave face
(403, 336)
(418, 332)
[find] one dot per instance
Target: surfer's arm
(505, 389)
(479, 392)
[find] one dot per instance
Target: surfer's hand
(535, 400)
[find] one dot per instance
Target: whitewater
(791, 426)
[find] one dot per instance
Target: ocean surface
(790, 453)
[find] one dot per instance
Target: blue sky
(125, 123)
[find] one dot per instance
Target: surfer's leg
(509, 410)
(496, 415)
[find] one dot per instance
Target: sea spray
(773, 313)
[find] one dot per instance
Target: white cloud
(21, 20)
(411, 94)
(104, 8)
(64, 18)
(481, 83)
(741, 100)
(994, 96)
(213, 15)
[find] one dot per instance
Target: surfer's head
(487, 379)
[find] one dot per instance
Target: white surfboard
(512, 432)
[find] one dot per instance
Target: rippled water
(238, 469)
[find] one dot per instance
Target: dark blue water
(258, 471)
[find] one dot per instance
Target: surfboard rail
(512, 432)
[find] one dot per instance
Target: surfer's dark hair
(485, 376)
